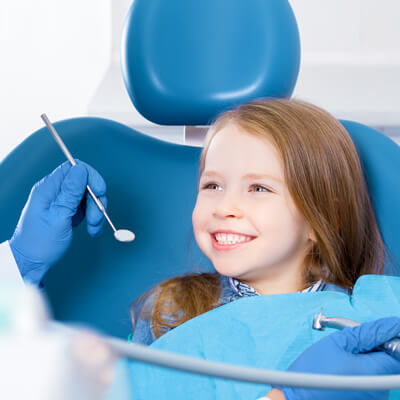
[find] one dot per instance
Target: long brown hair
(325, 180)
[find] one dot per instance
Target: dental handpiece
(391, 347)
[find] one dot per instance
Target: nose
(228, 206)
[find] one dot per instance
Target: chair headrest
(186, 61)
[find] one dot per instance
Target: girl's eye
(211, 186)
(259, 188)
(214, 186)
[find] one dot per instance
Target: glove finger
(80, 214)
(94, 217)
(370, 335)
(95, 180)
(46, 190)
(72, 190)
(94, 231)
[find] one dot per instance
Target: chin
(229, 271)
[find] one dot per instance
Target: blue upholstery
(184, 61)
(380, 159)
(151, 183)
(151, 188)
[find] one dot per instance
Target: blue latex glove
(56, 204)
(344, 353)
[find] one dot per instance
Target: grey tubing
(210, 368)
(162, 358)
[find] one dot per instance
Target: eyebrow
(247, 176)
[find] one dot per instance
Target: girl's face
(244, 220)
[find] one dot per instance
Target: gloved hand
(344, 353)
(56, 204)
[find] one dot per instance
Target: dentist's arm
(346, 352)
(56, 204)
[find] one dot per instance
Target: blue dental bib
(267, 332)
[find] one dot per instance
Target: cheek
(277, 220)
(299, 223)
(272, 215)
(194, 218)
(201, 223)
(291, 227)
(197, 218)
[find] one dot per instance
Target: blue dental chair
(183, 63)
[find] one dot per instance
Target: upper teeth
(231, 238)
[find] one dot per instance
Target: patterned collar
(244, 290)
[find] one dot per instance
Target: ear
(312, 237)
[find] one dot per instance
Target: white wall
(351, 58)
(54, 54)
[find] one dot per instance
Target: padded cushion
(185, 61)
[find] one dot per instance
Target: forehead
(235, 150)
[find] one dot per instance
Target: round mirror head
(123, 235)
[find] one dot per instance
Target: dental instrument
(122, 235)
(391, 347)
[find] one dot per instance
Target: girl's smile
(224, 240)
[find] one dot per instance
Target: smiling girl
(282, 207)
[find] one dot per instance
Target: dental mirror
(123, 235)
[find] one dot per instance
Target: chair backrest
(380, 159)
(151, 188)
(184, 62)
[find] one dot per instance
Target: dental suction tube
(255, 375)
(146, 354)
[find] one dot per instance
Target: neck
(290, 283)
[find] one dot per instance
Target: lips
(228, 247)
